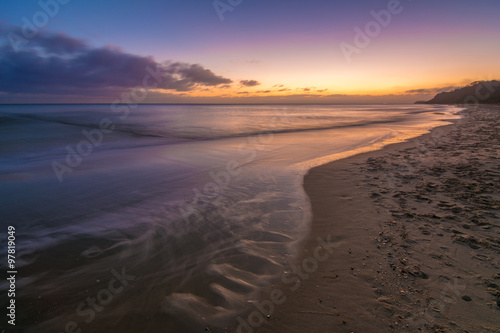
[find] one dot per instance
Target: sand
(415, 230)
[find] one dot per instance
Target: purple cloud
(60, 44)
(59, 64)
(249, 83)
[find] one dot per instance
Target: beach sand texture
(416, 229)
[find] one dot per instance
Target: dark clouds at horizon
(58, 64)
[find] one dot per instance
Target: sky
(242, 51)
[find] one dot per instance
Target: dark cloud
(430, 91)
(249, 83)
(312, 90)
(59, 64)
(60, 44)
(197, 74)
(263, 91)
(418, 91)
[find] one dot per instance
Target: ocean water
(172, 217)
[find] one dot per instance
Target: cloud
(312, 90)
(249, 83)
(421, 91)
(430, 91)
(59, 64)
(196, 74)
(60, 44)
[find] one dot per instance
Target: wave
(204, 134)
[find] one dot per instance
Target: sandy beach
(415, 239)
(247, 166)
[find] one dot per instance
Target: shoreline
(410, 249)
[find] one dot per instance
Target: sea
(167, 218)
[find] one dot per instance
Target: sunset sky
(252, 51)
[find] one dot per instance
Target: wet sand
(415, 229)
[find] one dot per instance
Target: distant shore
(415, 229)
